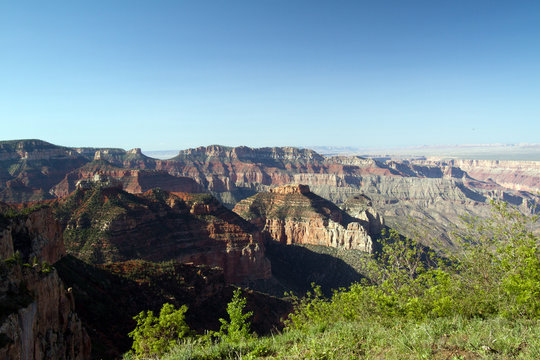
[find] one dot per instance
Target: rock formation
(361, 207)
(291, 214)
(108, 296)
(37, 319)
(514, 175)
(434, 194)
(133, 181)
(29, 168)
(109, 225)
(434, 197)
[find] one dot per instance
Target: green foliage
(153, 336)
(205, 199)
(368, 338)
(11, 213)
(16, 258)
(238, 326)
(497, 273)
(401, 259)
(86, 214)
(46, 267)
(499, 267)
(483, 302)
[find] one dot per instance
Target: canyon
(116, 222)
(433, 195)
(107, 297)
(55, 306)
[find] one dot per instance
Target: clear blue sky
(177, 74)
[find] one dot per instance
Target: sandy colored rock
(291, 214)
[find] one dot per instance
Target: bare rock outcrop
(291, 214)
(361, 207)
(514, 175)
(38, 319)
(132, 181)
(290, 189)
(29, 168)
(37, 235)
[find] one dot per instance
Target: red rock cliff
(133, 181)
(109, 225)
(41, 322)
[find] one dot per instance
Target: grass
(442, 338)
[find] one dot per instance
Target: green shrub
(46, 267)
(154, 336)
(499, 267)
(496, 273)
(484, 301)
(238, 326)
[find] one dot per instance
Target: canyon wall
(292, 214)
(430, 198)
(514, 175)
(434, 194)
(38, 319)
(108, 225)
(131, 180)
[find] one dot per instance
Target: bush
(496, 273)
(154, 336)
(238, 326)
(499, 267)
(481, 302)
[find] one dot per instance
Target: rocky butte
(105, 224)
(292, 214)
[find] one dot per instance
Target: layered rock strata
(133, 181)
(514, 175)
(108, 225)
(434, 194)
(29, 168)
(292, 214)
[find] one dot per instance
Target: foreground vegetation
(442, 338)
(483, 302)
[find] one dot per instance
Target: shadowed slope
(106, 224)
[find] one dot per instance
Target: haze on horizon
(172, 75)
